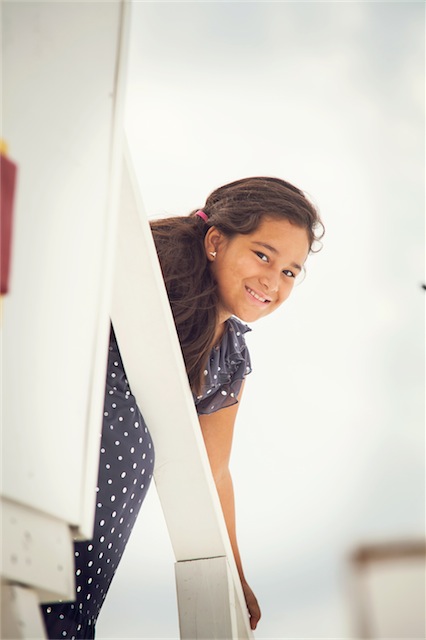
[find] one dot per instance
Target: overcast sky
(329, 445)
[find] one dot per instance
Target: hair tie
(202, 215)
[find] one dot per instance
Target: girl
(235, 260)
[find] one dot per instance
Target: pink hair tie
(202, 215)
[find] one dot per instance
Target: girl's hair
(235, 208)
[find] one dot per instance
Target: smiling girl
(233, 262)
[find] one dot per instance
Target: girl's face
(256, 272)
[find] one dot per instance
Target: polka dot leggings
(125, 472)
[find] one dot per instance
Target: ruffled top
(227, 366)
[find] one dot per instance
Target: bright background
(329, 445)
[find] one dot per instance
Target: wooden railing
(210, 598)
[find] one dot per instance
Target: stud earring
(213, 253)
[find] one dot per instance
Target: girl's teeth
(256, 296)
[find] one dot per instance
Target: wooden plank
(154, 365)
(21, 616)
(38, 551)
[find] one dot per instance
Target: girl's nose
(269, 283)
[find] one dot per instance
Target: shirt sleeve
(228, 365)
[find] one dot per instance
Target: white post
(206, 599)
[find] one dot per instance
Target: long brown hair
(235, 208)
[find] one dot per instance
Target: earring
(213, 253)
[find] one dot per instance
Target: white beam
(155, 369)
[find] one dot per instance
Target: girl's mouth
(256, 296)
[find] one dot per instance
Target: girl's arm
(217, 429)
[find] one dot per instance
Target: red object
(7, 192)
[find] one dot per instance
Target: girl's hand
(252, 605)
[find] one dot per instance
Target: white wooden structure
(77, 206)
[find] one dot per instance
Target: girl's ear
(212, 241)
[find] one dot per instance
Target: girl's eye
(262, 256)
(289, 273)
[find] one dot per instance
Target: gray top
(227, 366)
